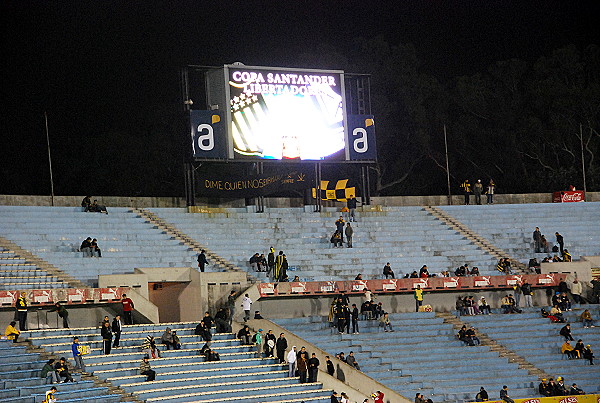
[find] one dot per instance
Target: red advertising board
(404, 285)
(70, 296)
(568, 196)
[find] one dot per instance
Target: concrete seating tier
(183, 375)
(20, 380)
(538, 341)
(55, 234)
(407, 237)
(17, 274)
(422, 355)
(510, 226)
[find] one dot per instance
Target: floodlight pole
(49, 161)
(447, 168)
(583, 162)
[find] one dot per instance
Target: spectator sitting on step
(484, 306)
(534, 265)
(63, 370)
(482, 396)
(544, 388)
(205, 348)
(167, 338)
(336, 239)
(474, 305)
(351, 360)
(86, 203)
(469, 305)
(96, 251)
(414, 274)
(579, 348)
(586, 319)
(556, 315)
(146, 369)
(176, 341)
(556, 259)
(566, 332)
(475, 271)
(86, 247)
(296, 279)
(504, 395)
(505, 304)
(49, 373)
(424, 272)
(212, 355)
(460, 272)
(377, 311)
(149, 347)
(560, 389)
(257, 315)
(588, 354)
(203, 332)
(244, 335)
(387, 271)
(366, 310)
(513, 305)
(11, 332)
(574, 390)
(385, 322)
(566, 256)
(564, 302)
(462, 336)
(97, 208)
(545, 246)
(471, 335)
(358, 277)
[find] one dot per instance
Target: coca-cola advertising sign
(568, 196)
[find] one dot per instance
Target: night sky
(105, 66)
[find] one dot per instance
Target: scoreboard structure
(258, 114)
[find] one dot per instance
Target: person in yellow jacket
(21, 307)
(466, 187)
(568, 349)
(50, 395)
(418, 297)
(11, 332)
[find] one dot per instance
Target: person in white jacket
(576, 291)
(246, 305)
(291, 359)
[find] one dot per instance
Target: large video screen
(286, 113)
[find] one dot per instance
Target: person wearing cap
(334, 397)
(146, 369)
(576, 390)
(291, 359)
(504, 395)
(588, 354)
(63, 370)
(544, 389)
(560, 389)
(50, 395)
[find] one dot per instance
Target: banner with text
(234, 185)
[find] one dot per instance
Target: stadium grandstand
(151, 254)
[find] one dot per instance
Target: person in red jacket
(378, 397)
(127, 309)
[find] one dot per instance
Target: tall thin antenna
(447, 167)
(49, 161)
(582, 161)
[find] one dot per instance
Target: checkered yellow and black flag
(341, 192)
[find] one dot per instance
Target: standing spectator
(50, 395)
(106, 337)
(560, 241)
(586, 318)
(387, 271)
(76, 349)
(302, 364)
(244, 335)
(86, 247)
(518, 292)
(281, 345)
(351, 204)
(62, 313)
(349, 233)
(117, 328)
(167, 338)
(477, 190)
(385, 322)
(96, 251)
(11, 332)
(146, 369)
(208, 321)
(330, 366)
(257, 339)
(588, 354)
(466, 187)
(354, 317)
(339, 225)
(246, 306)
(313, 368)
(202, 262)
(491, 189)
(340, 313)
(63, 370)
(504, 395)
(576, 291)
(271, 261)
(566, 332)
(418, 294)
(291, 359)
(49, 373)
(545, 246)
(269, 347)
(278, 266)
(527, 294)
(231, 305)
(127, 309)
(21, 307)
(537, 240)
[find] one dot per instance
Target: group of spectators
(579, 350)
(548, 388)
(92, 207)
(89, 248)
(461, 271)
(468, 306)
(477, 190)
(468, 336)
(342, 228)
(276, 266)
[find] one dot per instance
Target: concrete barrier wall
(124, 201)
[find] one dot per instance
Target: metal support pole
(368, 187)
(583, 162)
(447, 168)
(49, 161)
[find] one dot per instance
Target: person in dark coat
(330, 366)
(106, 337)
(281, 345)
(313, 368)
(560, 241)
(202, 262)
